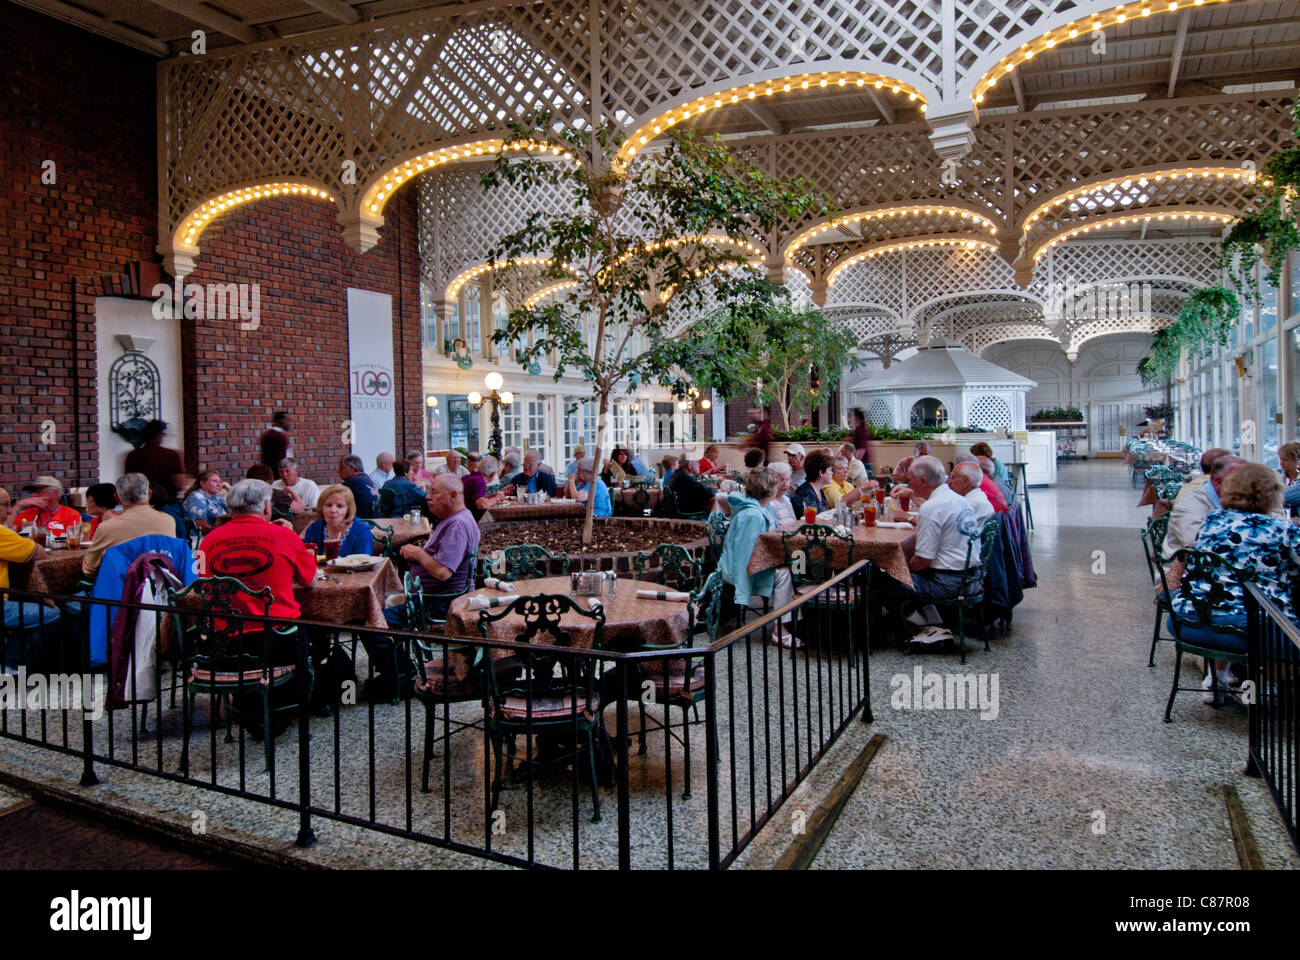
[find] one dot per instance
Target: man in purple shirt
(445, 568)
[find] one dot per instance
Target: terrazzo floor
(1078, 770)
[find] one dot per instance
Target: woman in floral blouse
(1250, 539)
(206, 500)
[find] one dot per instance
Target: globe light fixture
(493, 381)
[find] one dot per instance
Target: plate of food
(356, 562)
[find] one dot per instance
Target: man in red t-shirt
(41, 506)
(258, 553)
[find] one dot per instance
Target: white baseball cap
(797, 449)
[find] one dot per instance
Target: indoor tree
(646, 246)
(789, 358)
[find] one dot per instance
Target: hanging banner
(371, 383)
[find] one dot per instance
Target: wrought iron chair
(810, 555)
(677, 567)
(680, 682)
(676, 509)
(554, 695)
(217, 656)
(1204, 637)
(638, 492)
(970, 595)
(524, 561)
(716, 527)
(1153, 543)
(446, 671)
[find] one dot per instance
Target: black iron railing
(766, 714)
(1273, 651)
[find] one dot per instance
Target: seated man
(383, 471)
(445, 569)
(304, 492)
(920, 449)
(41, 507)
(857, 470)
(138, 519)
(21, 643)
(1194, 504)
(400, 495)
(352, 471)
(987, 484)
(965, 480)
(692, 496)
(638, 465)
(281, 500)
(1000, 474)
(795, 455)
(937, 553)
(259, 553)
(531, 478)
(579, 451)
(453, 466)
(581, 483)
(669, 465)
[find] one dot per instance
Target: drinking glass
(331, 549)
(38, 534)
(74, 536)
(869, 515)
(809, 514)
(904, 501)
(880, 496)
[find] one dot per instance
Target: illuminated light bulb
(1121, 18)
(823, 82)
(879, 84)
(862, 82)
(1029, 54)
(786, 88)
(804, 85)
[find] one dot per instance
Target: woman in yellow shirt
(840, 488)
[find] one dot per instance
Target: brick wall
(297, 357)
(89, 105)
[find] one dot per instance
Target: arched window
(929, 412)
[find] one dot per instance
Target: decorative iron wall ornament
(134, 395)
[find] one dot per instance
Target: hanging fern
(1265, 236)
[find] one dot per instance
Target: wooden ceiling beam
(98, 25)
(200, 13)
(342, 12)
(1180, 41)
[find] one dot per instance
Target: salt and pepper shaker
(611, 583)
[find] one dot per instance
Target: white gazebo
(944, 385)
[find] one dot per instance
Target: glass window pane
(1295, 284)
(1267, 302)
(1269, 407)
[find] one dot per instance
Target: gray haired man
(137, 519)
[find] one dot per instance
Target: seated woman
(583, 481)
(840, 488)
(101, 503)
(711, 461)
(623, 457)
(206, 499)
(281, 499)
(614, 472)
(338, 521)
(817, 470)
(399, 495)
(750, 519)
(1247, 538)
(999, 468)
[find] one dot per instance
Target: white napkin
(481, 602)
(663, 595)
(893, 525)
(843, 531)
(505, 586)
(596, 604)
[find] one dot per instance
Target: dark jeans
(385, 656)
(933, 585)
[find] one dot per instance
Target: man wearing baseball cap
(794, 455)
(41, 507)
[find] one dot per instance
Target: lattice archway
(878, 223)
(988, 412)
(1023, 30)
(978, 339)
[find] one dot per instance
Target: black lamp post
(493, 381)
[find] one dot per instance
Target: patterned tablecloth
(883, 546)
(513, 510)
(349, 597)
(1152, 499)
(627, 499)
(630, 621)
(56, 574)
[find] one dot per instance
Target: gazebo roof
(944, 365)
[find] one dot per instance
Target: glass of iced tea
(904, 501)
(809, 514)
(880, 496)
(869, 515)
(38, 534)
(331, 550)
(74, 536)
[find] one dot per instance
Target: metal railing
(767, 715)
(1273, 652)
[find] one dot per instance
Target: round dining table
(630, 621)
(551, 510)
(883, 546)
(55, 574)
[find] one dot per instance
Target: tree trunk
(588, 523)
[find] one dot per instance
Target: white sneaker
(1208, 686)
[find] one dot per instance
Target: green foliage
(791, 359)
(628, 236)
(1058, 413)
(1266, 236)
(1206, 318)
(812, 434)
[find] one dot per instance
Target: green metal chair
(383, 536)
(676, 509)
(217, 659)
(812, 560)
(524, 561)
(716, 527)
(1153, 544)
(554, 694)
(677, 567)
(680, 682)
(1204, 637)
(970, 595)
(638, 492)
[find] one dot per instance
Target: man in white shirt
(965, 481)
(944, 524)
(453, 465)
(305, 493)
(383, 471)
(857, 470)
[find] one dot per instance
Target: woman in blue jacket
(749, 520)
